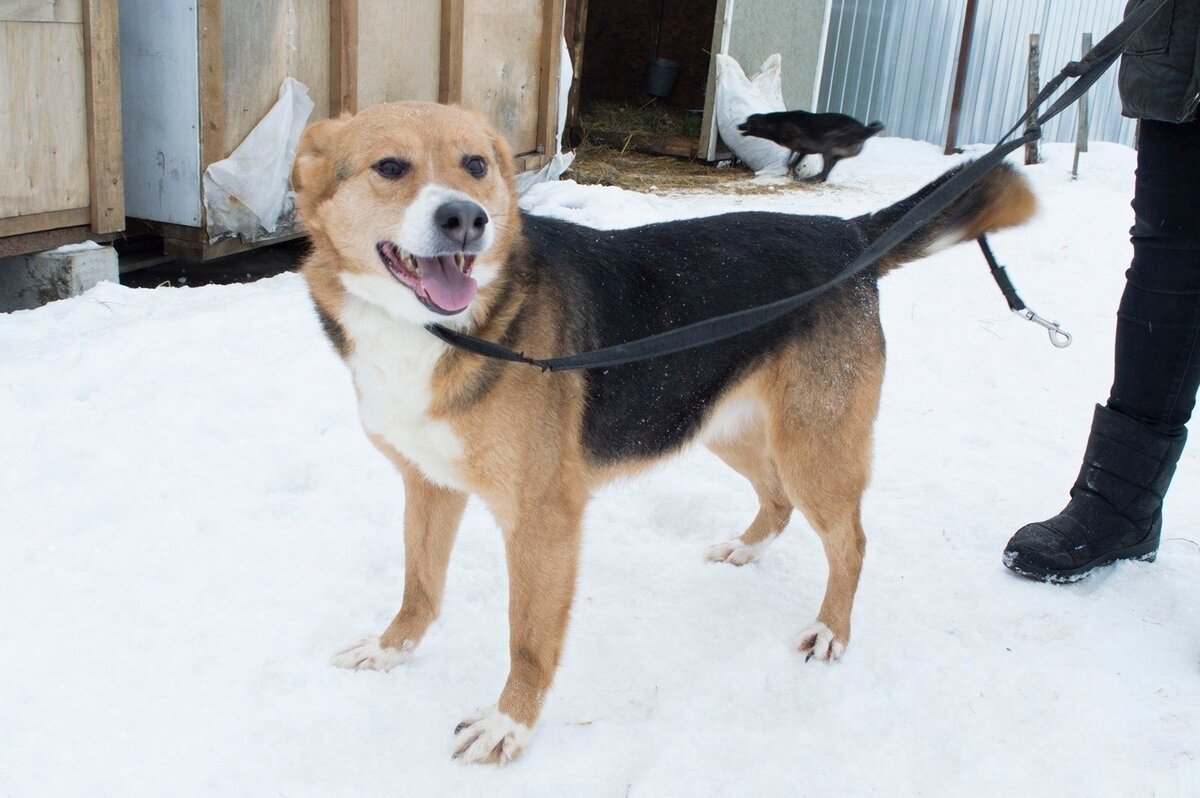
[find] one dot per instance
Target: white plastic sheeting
(249, 193)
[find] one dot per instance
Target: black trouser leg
(1115, 512)
(1157, 368)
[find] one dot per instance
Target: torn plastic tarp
(249, 194)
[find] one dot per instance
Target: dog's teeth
(459, 260)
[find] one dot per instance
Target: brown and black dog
(413, 218)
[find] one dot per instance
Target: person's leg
(1158, 326)
(1116, 504)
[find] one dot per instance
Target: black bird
(834, 136)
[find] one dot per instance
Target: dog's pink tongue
(444, 283)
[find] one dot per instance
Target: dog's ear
(314, 171)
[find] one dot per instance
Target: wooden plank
(103, 70)
(1032, 156)
(552, 44)
(34, 222)
(212, 86)
(41, 11)
(504, 43)
(49, 239)
(43, 127)
(575, 27)
(531, 163)
(263, 42)
(720, 41)
(203, 251)
(387, 72)
(344, 16)
(453, 42)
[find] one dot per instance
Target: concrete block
(30, 281)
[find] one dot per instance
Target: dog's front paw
(819, 641)
(368, 654)
(736, 551)
(492, 738)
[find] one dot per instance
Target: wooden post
(343, 57)
(102, 65)
(450, 81)
(1035, 65)
(1081, 133)
(960, 77)
(576, 30)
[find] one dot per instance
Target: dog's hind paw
(492, 738)
(819, 641)
(737, 551)
(368, 654)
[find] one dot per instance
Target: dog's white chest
(392, 363)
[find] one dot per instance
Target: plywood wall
(43, 97)
(501, 65)
(263, 42)
(399, 50)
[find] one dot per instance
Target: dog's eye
(475, 165)
(392, 168)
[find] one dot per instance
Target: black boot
(1115, 512)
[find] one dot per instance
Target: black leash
(1058, 336)
(1086, 72)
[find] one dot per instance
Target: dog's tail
(875, 127)
(1001, 199)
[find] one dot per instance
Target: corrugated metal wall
(894, 60)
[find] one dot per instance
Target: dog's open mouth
(443, 283)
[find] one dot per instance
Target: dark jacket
(1160, 69)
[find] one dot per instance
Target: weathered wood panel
(102, 66)
(41, 11)
(263, 42)
(43, 127)
(502, 53)
(399, 50)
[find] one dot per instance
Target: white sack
(737, 98)
(249, 194)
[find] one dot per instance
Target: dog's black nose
(462, 221)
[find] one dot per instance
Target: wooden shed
(60, 128)
(200, 75)
(613, 41)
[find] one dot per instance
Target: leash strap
(1085, 72)
(1059, 337)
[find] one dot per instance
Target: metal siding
(160, 110)
(894, 60)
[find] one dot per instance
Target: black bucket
(661, 74)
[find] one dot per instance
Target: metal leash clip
(1058, 336)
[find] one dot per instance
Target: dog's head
(753, 125)
(414, 202)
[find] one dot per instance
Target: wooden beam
(552, 37)
(1032, 155)
(450, 79)
(49, 239)
(575, 26)
(960, 77)
(343, 57)
(50, 220)
(212, 85)
(708, 125)
(102, 62)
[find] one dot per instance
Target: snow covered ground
(192, 522)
